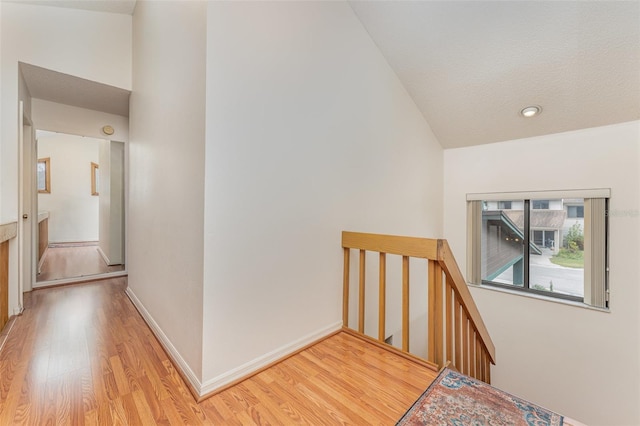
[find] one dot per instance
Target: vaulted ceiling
(471, 66)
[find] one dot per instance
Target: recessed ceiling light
(531, 111)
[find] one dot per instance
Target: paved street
(543, 272)
(565, 280)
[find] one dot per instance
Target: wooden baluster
(431, 312)
(487, 370)
(361, 292)
(405, 303)
(345, 289)
(439, 326)
(480, 350)
(4, 284)
(458, 333)
(382, 296)
(449, 319)
(452, 328)
(483, 364)
(472, 350)
(465, 342)
(478, 357)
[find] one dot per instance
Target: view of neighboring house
(574, 209)
(503, 234)
(550, 219)
(502, 246)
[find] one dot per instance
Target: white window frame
(596, 286)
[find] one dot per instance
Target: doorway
(60, 104)
(80, 190)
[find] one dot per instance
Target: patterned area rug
(458, 400)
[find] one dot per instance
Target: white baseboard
(104, 256)
(81, 279)
(256, 364)
(187, 372)
(236, 373)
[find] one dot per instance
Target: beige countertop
(8, 231)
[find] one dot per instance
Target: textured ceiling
(472, 66)
(70, 90)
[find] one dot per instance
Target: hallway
(82, 354)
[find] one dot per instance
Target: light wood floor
(73, 261)
(83, 355)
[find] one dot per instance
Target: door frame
(27, 205)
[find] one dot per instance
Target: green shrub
(543, 288)
(574, 241)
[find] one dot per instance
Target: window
(504, 205)
(540, 204)
(540, 250)
(575, 211)
(43, 176)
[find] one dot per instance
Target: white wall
(91, 45)
(112, 214)
(166, 187)
(117, 204)
(95, 46)
(73, 211)
(579, 362)
(309, 132)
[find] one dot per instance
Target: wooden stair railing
(456, 332)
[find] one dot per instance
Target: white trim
(541, 297)
(236, 373)
(7, 331)
(21, 211)
(84, 278)
(569, 193)
(266, 359)
(104, 256)
(165, 342)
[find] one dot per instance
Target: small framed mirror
(44, 175)
(95, 179)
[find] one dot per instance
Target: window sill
(539, 297)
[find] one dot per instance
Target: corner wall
(166, 181)
(579, 362)
(309, 132)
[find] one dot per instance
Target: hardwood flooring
(82, 355)
(70, 261)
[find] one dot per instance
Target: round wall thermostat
(107, 130)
